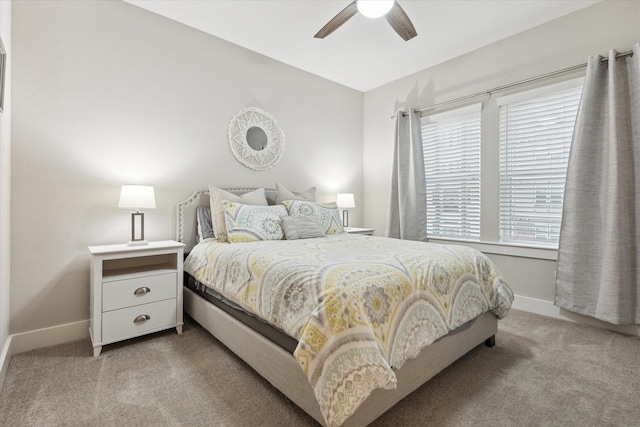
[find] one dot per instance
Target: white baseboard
(5, 358)
(46, 337)
(546, 308)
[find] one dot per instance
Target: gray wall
(5, 189)
(110, 94)
(558, 44)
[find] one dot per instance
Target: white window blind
(536, 128)
(451, 144)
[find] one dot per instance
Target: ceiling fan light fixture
(390, 9)
(374, 8)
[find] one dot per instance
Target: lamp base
(137, 230)
(345, 218)
(137, 243)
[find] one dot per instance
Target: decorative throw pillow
(325, 213)
(203, 220)
(299, 226)
(283, 194)
(251, 223)
(217, 196)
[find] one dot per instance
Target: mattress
(268, 331)
(272, 333)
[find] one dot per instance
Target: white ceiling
(364, 53)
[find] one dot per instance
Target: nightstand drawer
(141, 290)
(134, 321)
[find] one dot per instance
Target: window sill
(504, 249)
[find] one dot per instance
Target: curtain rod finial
(401, 113)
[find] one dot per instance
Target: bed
(289, 350)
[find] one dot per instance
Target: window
(536, 128)
(451, 144)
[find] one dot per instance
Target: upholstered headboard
(186, 213)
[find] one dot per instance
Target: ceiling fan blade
(400, 22)
(338, 20)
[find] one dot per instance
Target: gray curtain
(407, 216)
(598, 255)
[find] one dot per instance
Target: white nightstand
(354, 230)
(135, 290)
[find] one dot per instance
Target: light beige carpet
(542, 372)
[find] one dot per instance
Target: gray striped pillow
(205, 226)
(298, 226)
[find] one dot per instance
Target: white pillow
(283, 194)
(217, 195)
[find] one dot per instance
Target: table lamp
(345, 201)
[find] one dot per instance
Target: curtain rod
(515, 84)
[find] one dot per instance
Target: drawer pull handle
(142, 291)
(141, 318)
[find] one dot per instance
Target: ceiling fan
(390, 9)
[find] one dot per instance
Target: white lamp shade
(374, 8)
(137, 197)
(346, 201)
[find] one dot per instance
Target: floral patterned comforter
(358, 305)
